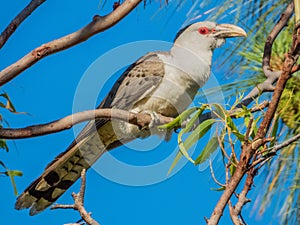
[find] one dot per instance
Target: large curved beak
(229, 30)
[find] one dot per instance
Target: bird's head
(206, 35)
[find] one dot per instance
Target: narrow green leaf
(210, 147)
(182, 149)
(9, 104)
(274, 131)
(179, 119)
(220, 110)
(234, 130)
(218, 189)
(12, 174)
(232, 167)
(3, 145)
(199, 132)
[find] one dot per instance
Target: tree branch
(248, 149)
(236, 210)
(14, 24)
(285, 143)
(139, 119)
(79, 203)
(272, 36)
(272, 76)
(99, 24)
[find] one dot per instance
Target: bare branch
(286, 143)
(235, 211)
(266, 86)
(139, 119)
(78, 203)
(235, 219)
(271, 152)
(14, 24)
(99, 24)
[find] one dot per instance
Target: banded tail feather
(65, 170)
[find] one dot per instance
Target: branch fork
(79, 203)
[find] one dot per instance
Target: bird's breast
(173, 95)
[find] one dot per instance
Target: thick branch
(99, 24)
(14, 24)
(139, 119)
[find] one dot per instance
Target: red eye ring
(203, 30)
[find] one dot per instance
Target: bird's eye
(203, 30)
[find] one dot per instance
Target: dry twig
(79, 203)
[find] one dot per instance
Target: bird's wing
(137, 82)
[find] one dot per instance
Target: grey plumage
(161, 82)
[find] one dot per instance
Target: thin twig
(272, 151)
(78, 203)
(15, 23)
(222, 147)
(285, 143)
(99, 24)
(213, 175)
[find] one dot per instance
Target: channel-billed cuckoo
(160, 82)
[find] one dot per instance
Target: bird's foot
(155, 120)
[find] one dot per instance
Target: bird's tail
(66, 169)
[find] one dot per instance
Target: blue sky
(47, 91)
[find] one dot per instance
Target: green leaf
(12, 174)
(3, 145)
(274, 131)
(218, 189)
(9, 104)
(199, 132)
(179, 119)
(232, 167)
(220, 110)
(210, 148)
(234, 130)
(182, 149)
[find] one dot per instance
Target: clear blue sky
(46, 91)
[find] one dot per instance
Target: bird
(158, 83)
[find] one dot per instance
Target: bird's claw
(155, 120)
